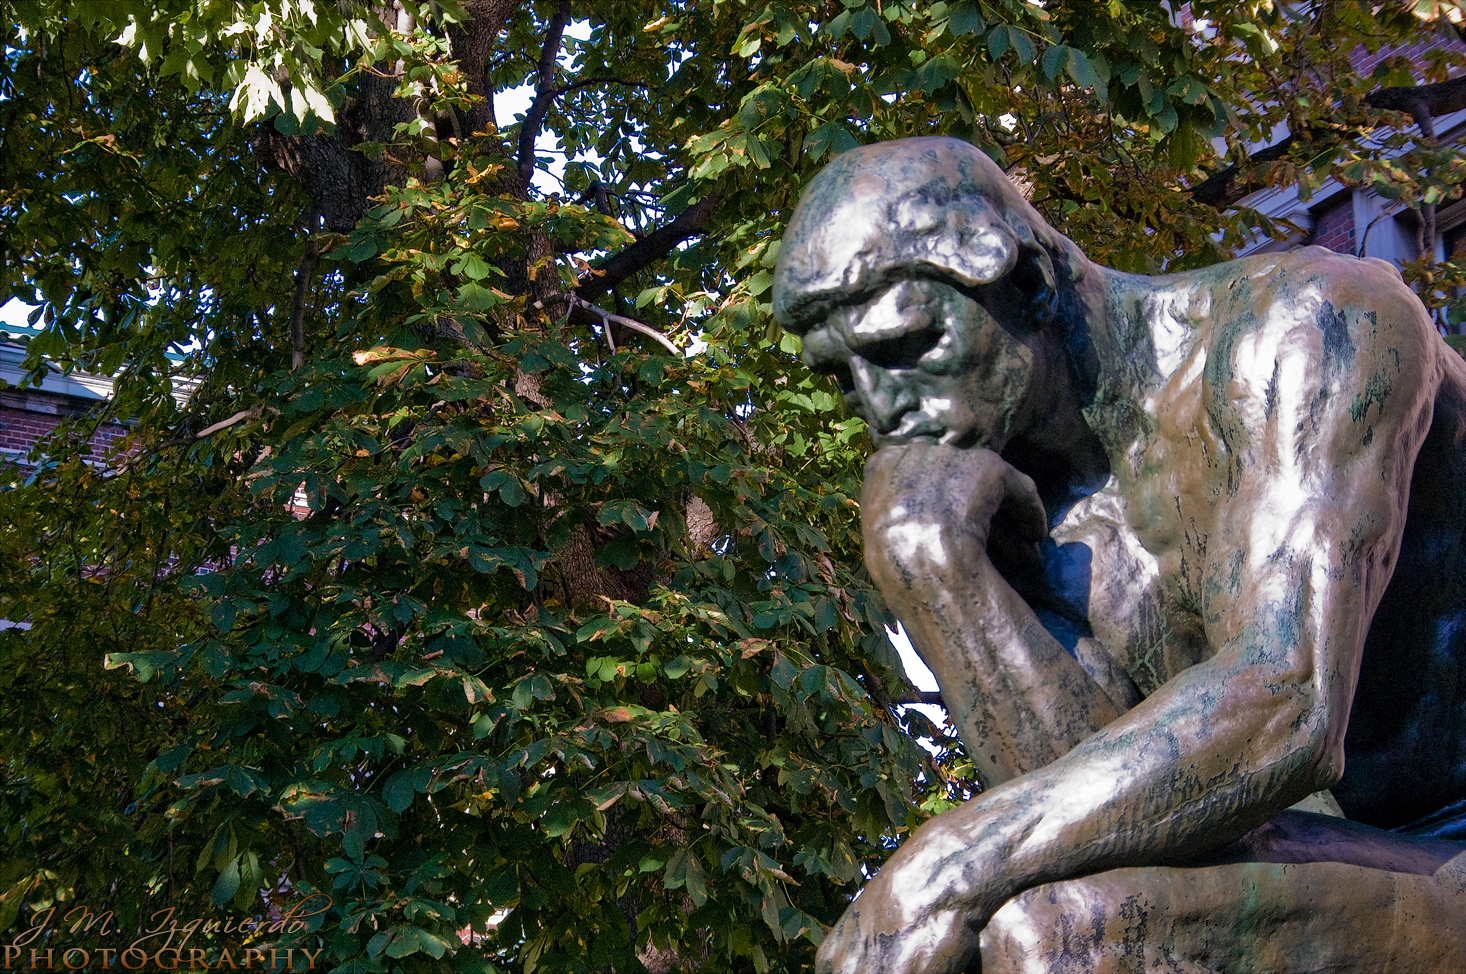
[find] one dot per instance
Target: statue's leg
(1362, 901)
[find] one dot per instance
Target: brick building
(1359, 221)
(26, 415)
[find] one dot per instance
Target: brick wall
(1415, 52)
(22, 424)
(1333, 225)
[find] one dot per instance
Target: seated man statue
(1185, 553)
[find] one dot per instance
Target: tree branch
(919, 696)
(649, 249)
(597, 191)
(607, 317)
(1424, 103)
(544, 91)
(303, 276)
(1222, 189)
(254, 412)
(597, 80)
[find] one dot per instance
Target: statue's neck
(1117, 353)
(1123, 337)
(1058, 448)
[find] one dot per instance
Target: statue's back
(1406, 745)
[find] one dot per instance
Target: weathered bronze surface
(1182, 552)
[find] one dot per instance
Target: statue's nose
(884, 392)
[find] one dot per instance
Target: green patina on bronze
(1161, 540)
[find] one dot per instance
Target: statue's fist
(930, 514)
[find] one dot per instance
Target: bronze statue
(1182, 551)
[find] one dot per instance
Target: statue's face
(922, 360)
(916, 273)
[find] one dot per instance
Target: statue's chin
(933, 434)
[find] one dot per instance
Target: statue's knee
(1059, 927)
(1303, 916)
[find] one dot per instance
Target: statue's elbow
(1305, 731)
(1309, 752)
(1325, 749)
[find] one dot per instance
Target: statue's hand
(929, 514)
(942, 943)
(924, 912)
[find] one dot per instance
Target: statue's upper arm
(1330, 395)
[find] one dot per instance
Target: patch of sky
(13, 314)
(920, 677)
(512, 104)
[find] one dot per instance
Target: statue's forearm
(1185, 771)
(1018, 698)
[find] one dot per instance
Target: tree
(461, 585)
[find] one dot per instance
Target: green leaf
(401, 789)
(363, 249)
(1189, 89)
(965, 18)
(251, 878)
(1167, 119)
(1022, 45)
(784, 673)
(837, 25)
(410, 940)
(1084, 73)
(621, 552)
(476, 297)
(821, 140)
(379, 942)
(813, 679)
(471, 265)
(696, 881)
(999, 41)
(227, 884)
(1055, 60)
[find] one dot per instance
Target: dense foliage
(449, 594)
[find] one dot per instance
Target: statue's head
(918, 274)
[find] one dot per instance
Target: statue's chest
(1133, 587)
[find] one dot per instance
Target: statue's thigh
(1242, 917)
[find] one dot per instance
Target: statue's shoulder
(1300, 278)
(1312, 291)
(1330, 327)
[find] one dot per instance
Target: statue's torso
(1126, 573)
(1131, 605)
